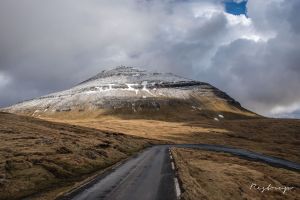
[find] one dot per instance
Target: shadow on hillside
(189, 117)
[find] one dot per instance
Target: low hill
(37, 155)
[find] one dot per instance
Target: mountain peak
(132, 75)
(123, 70)
(117, 71)
(132, 90)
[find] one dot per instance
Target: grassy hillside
(196, 107)
(277, 137)
(37, 155)
(58, 150)
(214, 176)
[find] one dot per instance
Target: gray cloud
(50, 46)
(265, 76)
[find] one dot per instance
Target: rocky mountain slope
(135, 92)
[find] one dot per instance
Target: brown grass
(277, 137)
(197, 106)
(37, 155)
(214, 176)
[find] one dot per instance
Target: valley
(53, 144)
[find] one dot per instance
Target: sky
(249, 49)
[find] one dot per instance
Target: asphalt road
(147, 176)
(150, 175)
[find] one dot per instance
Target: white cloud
(206, 10)
(238, 20)
(262, 68)
(283, 110)
(4, 80)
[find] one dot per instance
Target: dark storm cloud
(47, 46)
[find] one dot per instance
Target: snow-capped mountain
(132, 90)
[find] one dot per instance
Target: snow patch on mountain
(114, 88)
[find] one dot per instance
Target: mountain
(132, 92)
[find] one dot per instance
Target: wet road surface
(150, 175)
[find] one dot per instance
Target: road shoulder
(211, 175)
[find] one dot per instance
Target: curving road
(150, 175)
